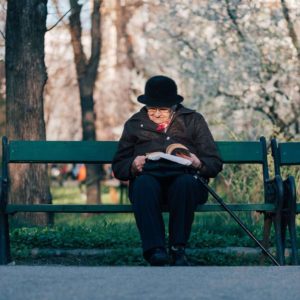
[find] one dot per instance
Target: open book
(171, 154)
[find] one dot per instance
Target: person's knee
(144, 187)
(146, 182)
(188, 188)
(186, 180)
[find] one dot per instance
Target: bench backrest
(239, 152)
(285, 154)
(253, 152)
(232, 152)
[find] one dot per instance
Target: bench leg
(290, 199)
(288, 221)
(288, 218)
(277, 218)
(284, 225)
(293, 236)
(266, 235)
(4, 240)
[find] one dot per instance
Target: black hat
(160, 91)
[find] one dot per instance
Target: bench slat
(62, 152)
(241, 152)
(80, 208)
(103, 151)
(289, 153)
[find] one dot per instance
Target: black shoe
(157, 257)
(178, 257)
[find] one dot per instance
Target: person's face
(159, 114)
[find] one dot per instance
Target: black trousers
(181, 194)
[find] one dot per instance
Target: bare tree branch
(292, 32)
(75, 30)
(3, 35)
(59, 20)
(60, 15)
(179, 37)
(124, 14)
(233, 17)
(272, 114)
(95, 41)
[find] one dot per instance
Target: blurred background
(235, 61)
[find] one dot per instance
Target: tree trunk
(125, 62)
(86, 77)
(25, 79)
(94, 171)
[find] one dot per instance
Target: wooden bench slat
(62, 152)
(80, 208)
(289, 153)
(241, 152)
(103, 151)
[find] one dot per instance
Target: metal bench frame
(288, 154)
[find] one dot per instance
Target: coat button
(142, 125)
(168, 138)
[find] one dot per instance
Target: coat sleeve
(122, 161)
(207, 150)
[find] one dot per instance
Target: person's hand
(196, 162)
(138, 164)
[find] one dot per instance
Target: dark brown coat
(187, 127)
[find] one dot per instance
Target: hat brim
(159, 103)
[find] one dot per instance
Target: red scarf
(162, 126)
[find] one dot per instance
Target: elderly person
(161, 122)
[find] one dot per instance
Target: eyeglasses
(162, 110)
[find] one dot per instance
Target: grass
(118, 233)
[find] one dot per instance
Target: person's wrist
(199, 165)
(133, 169)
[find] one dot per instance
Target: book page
(177, 159)
(175, 148)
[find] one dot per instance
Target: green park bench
(288, 154)
(102, 152)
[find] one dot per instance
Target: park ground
(113, 240)
(60, 282)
